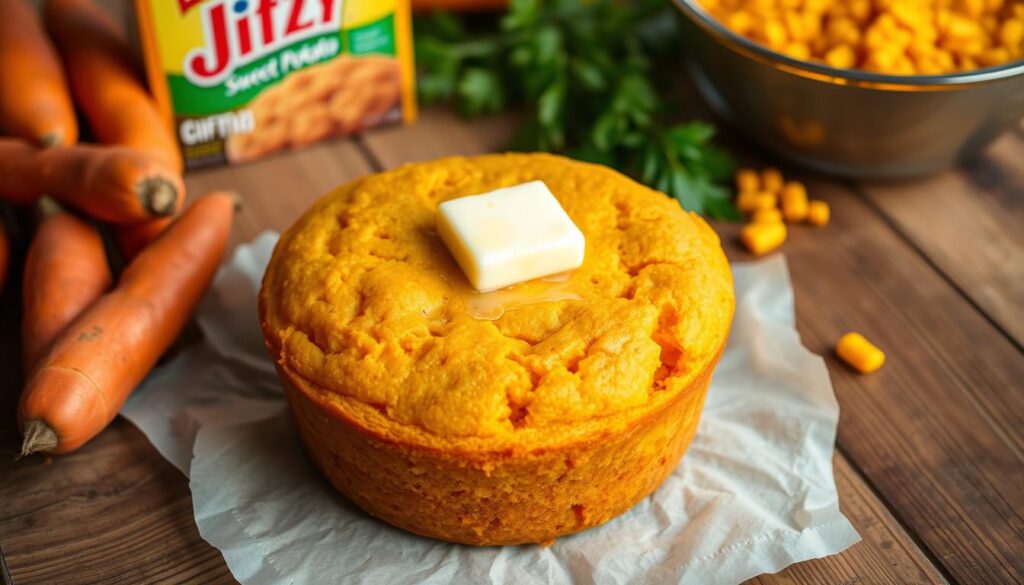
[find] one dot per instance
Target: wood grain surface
(930, 456)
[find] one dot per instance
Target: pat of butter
(510, 235)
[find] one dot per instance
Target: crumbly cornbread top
(363, 300)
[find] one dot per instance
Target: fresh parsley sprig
(583, 72)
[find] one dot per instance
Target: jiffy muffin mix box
(240, 79)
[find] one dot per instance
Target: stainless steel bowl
(849, 122)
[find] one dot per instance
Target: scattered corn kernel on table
(930, 454)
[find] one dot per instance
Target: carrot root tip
(38, 437)
(47, 206)
(52, 139)
(236, 198)
(159, 197)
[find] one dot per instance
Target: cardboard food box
(240, 79)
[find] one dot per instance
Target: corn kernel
(1011, 34)
(795, 25)
(771, 180)
(766, 200)
(775, 33)
(771, 215)
(994, 56)
(747, 180)
(859, 353)
(798, 51)
(818, 213)
(740, 22)
(746, 201)
(794, 201)
(761, 238)
(841, 57)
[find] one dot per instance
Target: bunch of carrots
(87, 340)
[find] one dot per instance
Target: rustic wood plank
(276, 190)
(116, 511)
(113, 512)
(886, 555)
(970, 223)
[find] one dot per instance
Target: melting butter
(489, 306)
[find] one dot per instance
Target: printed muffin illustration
(554, 410)
(342, 96)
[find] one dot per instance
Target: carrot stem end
(158, 196)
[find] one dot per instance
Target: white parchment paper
(753, 494)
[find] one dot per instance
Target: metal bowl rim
(856, 77)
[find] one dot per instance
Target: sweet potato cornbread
(557, 413)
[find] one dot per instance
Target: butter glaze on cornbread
(556, 416)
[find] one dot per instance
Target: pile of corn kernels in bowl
(895, 37)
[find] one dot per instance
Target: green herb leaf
(583, 70)
(480, 91)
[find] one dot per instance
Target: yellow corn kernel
(994, 56)
(875, 39)
(811, 26)
(816, 5)
(795, 25)
(841, 57)
(920, 48)
(775, 33)
(794, 201)
(1011, 34)
(818, 213)
(967, 64)
(740, 22)
(766, 200)
(747, 180)
(860, 10)
(990, 23)
(746, 202)
(859, 353)
(944, 59)
(771, 215)
(771, 180)
(928, 66)
(973, 8)
(761, 238)
(798, 51)
(961, 27)
(842, 30)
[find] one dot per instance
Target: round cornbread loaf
(554, 417)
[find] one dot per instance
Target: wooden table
(930, 455)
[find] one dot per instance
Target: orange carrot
(132, 239)
(115, 184)
(77, 389)
(5, 256)
(65, 271)
(34, 100)
(106, 80)
(19, 182)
